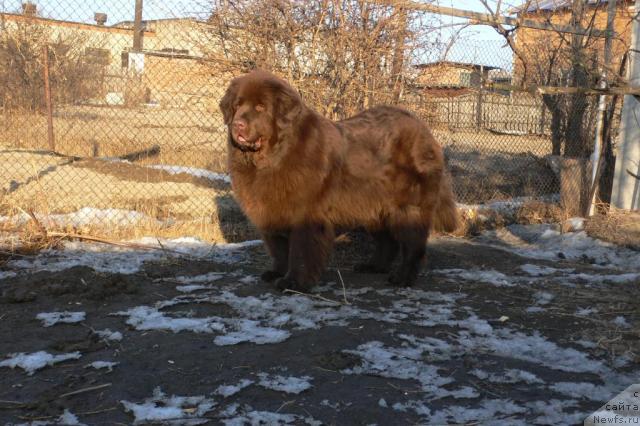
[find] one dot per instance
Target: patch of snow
(7, 274)
(534, 309)
(546, 242)
(204, 278)
(404, 363)
(621, 322)
(251, 331)
(508, 376)
(586, 344)
(201, 173)
(601, 278)
(51, 318)
(229, 410)
(539, 271)
(382, 403)
(488, 412)
(149, 318)
(103, 364)
(294, 385)
(489, 276)
(67, 418)
(188, 410)
(191, 288)
(585, 312)
(126, 260)
(574, 224)
(228, 390)
(245, 330)
(249, 279)
(543, 297)
(35, 361)
(580, 390)
(109, 335)
(531, 348)
(234, 416)
(553, 412)
(87, 216)
(417, 406)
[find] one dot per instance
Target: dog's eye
(259, 107)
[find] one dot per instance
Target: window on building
(98, 56)
(175, 51)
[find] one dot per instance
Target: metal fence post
(626, 179)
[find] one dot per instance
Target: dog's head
(256, 107)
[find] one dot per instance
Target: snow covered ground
(511, 328)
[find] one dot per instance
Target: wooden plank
(555, 90)
(485, 18)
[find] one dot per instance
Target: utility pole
(137, 28)
(626, 179)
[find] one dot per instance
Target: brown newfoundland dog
(299, 176)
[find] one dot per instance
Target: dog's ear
(226, 103)
(288, 104)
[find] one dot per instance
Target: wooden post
(626, 179)
(599, 143)
(479, 104)
(492, 19)
(47, 98)
(137, 28)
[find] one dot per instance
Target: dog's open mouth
(244, 144)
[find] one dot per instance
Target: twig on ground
(344, 289)
(84, 390)
(64, 235)
(106, 410)
(39, 224)
(314, 296)
(405, 391)
(484, 389)
(284, 404)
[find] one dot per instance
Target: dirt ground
(494, 332)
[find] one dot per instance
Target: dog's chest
(271, 199)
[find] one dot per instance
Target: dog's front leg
(309, 249)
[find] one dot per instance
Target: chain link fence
(110, 125)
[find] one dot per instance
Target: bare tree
(343, 55)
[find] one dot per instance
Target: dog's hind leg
(412, 240)
(278, 246)
(410, 227)
(386, 250)
(309, 249)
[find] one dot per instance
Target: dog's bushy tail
(445, 215)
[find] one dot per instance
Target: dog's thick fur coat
(299, 176)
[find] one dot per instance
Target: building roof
(457, 65)
(550, 5)
(70, 24)
(130, 24)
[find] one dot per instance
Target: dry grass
(193, 138)
(616, 226)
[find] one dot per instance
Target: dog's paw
(399, 279)
(288, 283)
(270, 276)
(368, 268)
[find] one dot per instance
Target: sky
(478, 44)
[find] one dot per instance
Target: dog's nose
(239, 125)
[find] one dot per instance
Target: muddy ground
(486, 336)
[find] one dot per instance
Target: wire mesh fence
(110, 123)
